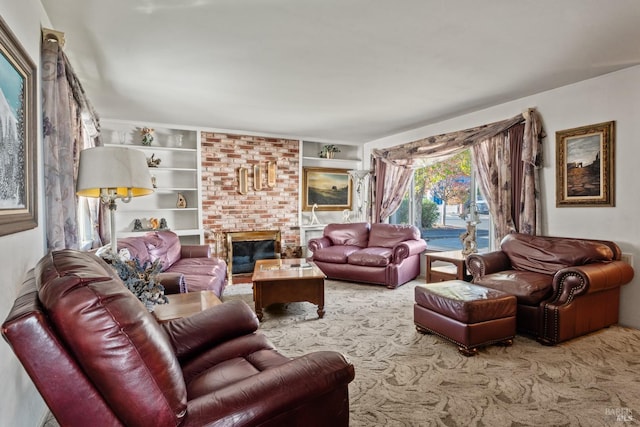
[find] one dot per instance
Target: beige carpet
(404, 378)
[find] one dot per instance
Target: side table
(455, 270)
(184, 305)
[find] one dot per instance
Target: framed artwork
(585, 166)
(18, 186)
(329, 189)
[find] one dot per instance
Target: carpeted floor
(404, 378)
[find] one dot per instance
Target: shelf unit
(349, 157)
(178, 172)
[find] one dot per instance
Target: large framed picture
(327, 188)
(585, 166)
(18, 186)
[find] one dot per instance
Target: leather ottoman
(465, 314)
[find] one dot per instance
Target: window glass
(441, 192)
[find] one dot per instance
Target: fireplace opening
(244, 248)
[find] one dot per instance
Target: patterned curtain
(69, 124)
(392, 181)
(493, 146)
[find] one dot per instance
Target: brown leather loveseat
(384, 254)
(98, 357)
(565, 287)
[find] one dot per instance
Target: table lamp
(112, 173)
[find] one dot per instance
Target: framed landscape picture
(329, 189)
(18, 187)
(585, 166)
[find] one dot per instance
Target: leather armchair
(565, 287)
(98, 357)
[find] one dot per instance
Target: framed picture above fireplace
(328, 189)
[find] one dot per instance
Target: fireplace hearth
(244, 248)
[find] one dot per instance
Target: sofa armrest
(195, 251)
(287, 386)
(189, 335)
(572, 282)
(487, 263)
(318, 243)
(407, 249)
(173, 283)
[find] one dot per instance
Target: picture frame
(585, 161)
(18, 162)
(330, 189)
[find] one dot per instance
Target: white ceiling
(334, 70)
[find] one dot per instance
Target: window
(440, 192)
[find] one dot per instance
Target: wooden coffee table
(287, 280)
(184, 305)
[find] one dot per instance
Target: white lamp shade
(119, 168)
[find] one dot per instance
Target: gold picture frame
(585, 166)
(328, 188)
(18, 201)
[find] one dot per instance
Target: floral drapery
(396, 158)
(69, 124)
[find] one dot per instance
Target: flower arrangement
(328, 151)
(141, 279)
(147, 137)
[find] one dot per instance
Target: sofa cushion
(164, 246)
(548, 255)
(137, 248)
(202, 273)
(371, 257)
(120, 346)
(356, 234)
(389, 235)
(335, 254)
(530, 288)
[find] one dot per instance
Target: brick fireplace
(226, 210)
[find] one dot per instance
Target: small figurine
(163, 224)
(137, 225)
(314, 218)
(153, 222)
(182, 201)
(147, 137)
(152, 162)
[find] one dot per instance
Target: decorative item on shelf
(346, 216)
(271, 174)
(328, 151)
(113, 173)
(152, 162)
(147, 136)
(153, 181)
(178, 140)
(137, 225)
(154, 223)
(182, 201)
(468, 238)
(163, 224)
(122, 137)
(314, 217)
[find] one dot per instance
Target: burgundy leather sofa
(185, 267)
(98, 357)
(565, 287)
(384, 254)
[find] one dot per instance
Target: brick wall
(225, 209)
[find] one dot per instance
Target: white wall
(615, 96)
(20, 403)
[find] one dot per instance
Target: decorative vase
(330, 154)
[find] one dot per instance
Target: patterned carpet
(404, 378)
